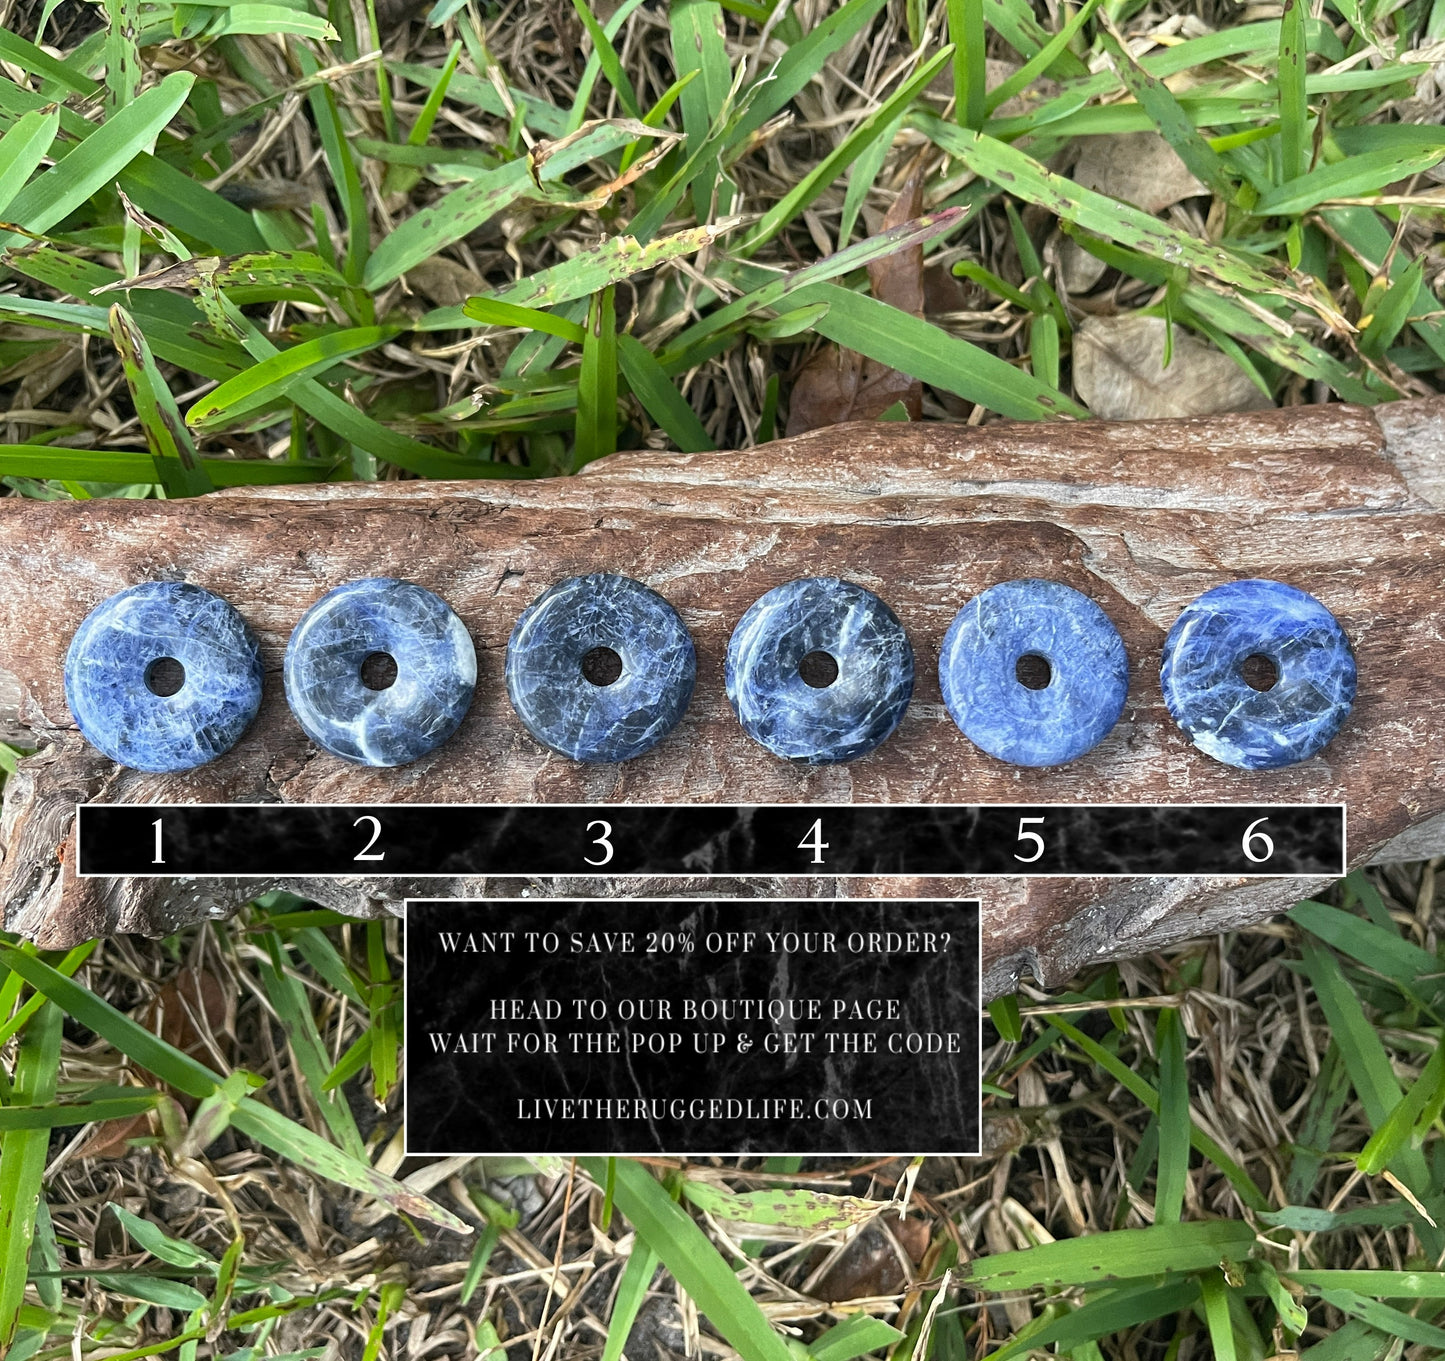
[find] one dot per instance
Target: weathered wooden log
(1346, 503)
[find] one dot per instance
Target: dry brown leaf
(1138, 167)
(841, 385)
(189, 997)
(1077, 270)
(445, 283)
(876, 1261)
(1119, 372)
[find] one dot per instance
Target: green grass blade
(271, 380)
(1244, 1187)
(1025, 178)
(608, 59)
(696, 30)
(1392, 1321)
(1173, 123)
(288, 996)
(66, 1113)
(173, 197)
(1353, 178)
(1418, 1285)
(966, 33)
(803, 62)
(1174, 1120)
(822, 176)
(637, 1275)
(495, 312)
(920, 349)
(1382, 950)
(597, 383)
(1291, 351)
(37, 62)
(574, 119)
(586, 273)
(25, 144)
(654, 389)
(1101, 1258)
(1216, 1303)
(22, 1162)
(1395, 1130)
(1040, 62)
(450, 218)
(130, 465)
(695, 1264)
(865, 174)
(98, 160)
(853, 1338)
(1294, 110)
(263, 1124)
(1100, 1317)
(771, 294)
(181, 471)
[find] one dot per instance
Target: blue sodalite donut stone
(436, 672)
(840, 721)
(1089, 672)
(1209, 698)
(109, 662)
(553, 696)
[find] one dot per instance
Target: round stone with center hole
(600, 668)
(1033, 672)
(819, 670)
(1285, 642)
(163, 676)
(380, 672)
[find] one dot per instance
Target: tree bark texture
(1344, 502)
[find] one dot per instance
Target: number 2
(601, 841)
(817, 845)
(363, 854)
(1030, 836)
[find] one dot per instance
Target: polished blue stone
(1210, 699)
(436, 672)
(577, 716)
(835, 722)
(108, 672)
(1088, 672)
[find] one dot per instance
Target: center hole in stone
(601, 666)
(1033, 672)
(378, 671)
(165, 676)
(1259, 671)
(818, 669)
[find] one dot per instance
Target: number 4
(817, 845)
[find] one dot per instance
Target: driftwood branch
(1344, 502)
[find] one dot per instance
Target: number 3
(601, 841)
(1030, 836)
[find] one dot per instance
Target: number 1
(158, 859)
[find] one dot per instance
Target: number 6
(1250, 835)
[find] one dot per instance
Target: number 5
(1030, 836)
(1251, 836)
(601, 841)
